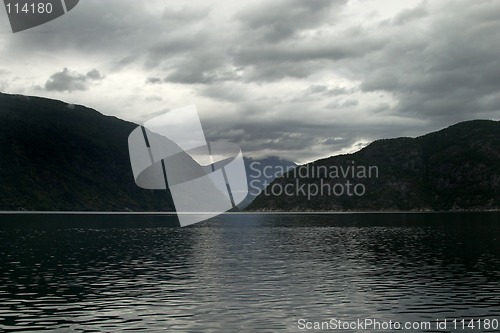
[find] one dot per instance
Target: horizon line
(243, 213)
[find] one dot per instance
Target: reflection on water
(249, 273)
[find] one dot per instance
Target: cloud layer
(297, 79)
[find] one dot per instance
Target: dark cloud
(304, 57)
(409, 15)
(449, 72)
(319, 92)
(177, 48)
(291, 76)
(205, 57)
(94, 75)
(299, 140)
(94, 26)
(277, 20)
(353, 45)
(69, 81)
(201, 68)
(326, 90)
(255, 136)
(123, 32)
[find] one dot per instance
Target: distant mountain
(261, 172)
(457, 168)
(60, 157)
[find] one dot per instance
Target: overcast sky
(299, 79)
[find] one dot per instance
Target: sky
(297, 79)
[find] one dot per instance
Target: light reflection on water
(250, 273)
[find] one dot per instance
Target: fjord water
(247, 272)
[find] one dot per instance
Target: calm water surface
(247, 273)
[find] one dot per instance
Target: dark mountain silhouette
(60, 157)
(261, 172)
(457, 168)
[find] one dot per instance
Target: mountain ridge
(41, 171)
(456, 168)
(56, 156)
(59, 156)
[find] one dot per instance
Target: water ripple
(247, 274)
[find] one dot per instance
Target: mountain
(261, 172)
(60, 157)
(457, 168)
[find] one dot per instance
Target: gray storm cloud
(282, 77)
(69, 81)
